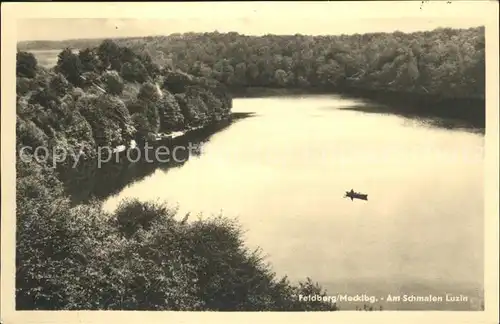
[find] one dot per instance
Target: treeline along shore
(111, 93)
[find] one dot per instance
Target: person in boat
(350, 193)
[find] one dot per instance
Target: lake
(283, 173)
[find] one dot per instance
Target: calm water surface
(283, 173)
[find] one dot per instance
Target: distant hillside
(445, 62)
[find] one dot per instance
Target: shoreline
(185, 133)
(123, 172)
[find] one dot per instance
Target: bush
(149, 92)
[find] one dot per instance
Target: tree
(89, 60)
(44, 97)
(141, 124)
(253, 73)
(109, 53)
(69, 65)
(109, 118)
(176, 82)
(240, 74)
(153, 116)
(26, 64)
(127, 55)
(171, 117)
(149, 92)
(24, 85)
(152, 68)
(134, 72)
(280, 77)
(59, 85)
(113, 82)
(329, 73)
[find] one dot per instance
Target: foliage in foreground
(141, 257)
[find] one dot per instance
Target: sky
(49, 21)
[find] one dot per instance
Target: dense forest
(141, 257)
(438, 73)
(447, 62)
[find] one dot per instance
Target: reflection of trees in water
(88, 181)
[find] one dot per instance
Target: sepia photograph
(250, 157)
